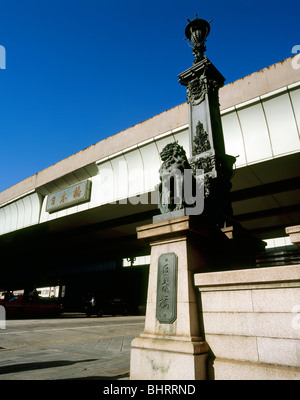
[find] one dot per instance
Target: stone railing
(251, 322)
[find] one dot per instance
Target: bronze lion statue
(171, 173)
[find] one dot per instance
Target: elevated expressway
(261, 121)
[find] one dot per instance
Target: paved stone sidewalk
(103, 359)
(80, 354)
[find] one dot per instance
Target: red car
(31, 305)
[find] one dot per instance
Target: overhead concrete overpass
(261, 121)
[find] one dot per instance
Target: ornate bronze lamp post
(207, 146)
(196, 32)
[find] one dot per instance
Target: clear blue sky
(78, 71)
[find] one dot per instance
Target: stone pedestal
(171, 346)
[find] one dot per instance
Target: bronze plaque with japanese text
(166, 300)
(70, 196)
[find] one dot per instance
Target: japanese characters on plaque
(166, 300)
(73, 195)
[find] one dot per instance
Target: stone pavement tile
(103, 344)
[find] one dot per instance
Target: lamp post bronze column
(207, 147)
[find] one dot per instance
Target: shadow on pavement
(10, 369)
(99, 378)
